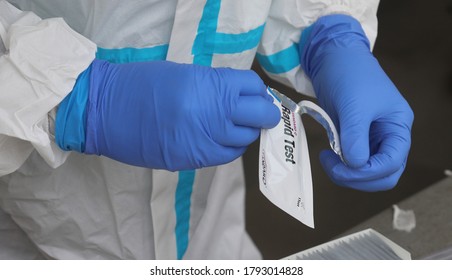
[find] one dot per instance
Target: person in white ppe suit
(122, 123)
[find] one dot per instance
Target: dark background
(414, 46)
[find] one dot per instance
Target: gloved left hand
(165, 115)
(373, 119)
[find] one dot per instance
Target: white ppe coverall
(66, 205)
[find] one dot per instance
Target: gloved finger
(205, 157)
(269, 98)
(354, 134)
(382, 184)
(229, 154)
(248, 82)
(379, 166)
(391, 138)
(393, 141)
(365, 178)
(255, 111)
(237, 136)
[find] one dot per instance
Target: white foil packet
(284, 165)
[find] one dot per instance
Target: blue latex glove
(164, 115)
(373, 118)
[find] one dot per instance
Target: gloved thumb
(355, 142)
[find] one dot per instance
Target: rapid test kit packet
(284, 165)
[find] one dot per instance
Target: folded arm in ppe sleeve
(373, 118)
(164, 115)
(40, 61)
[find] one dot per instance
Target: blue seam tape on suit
(182, 205)
(126, 55)
(209, 42)
(280, 62)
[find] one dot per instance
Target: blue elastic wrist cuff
(70, 123)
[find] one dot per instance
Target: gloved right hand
(164, 115)
(373, 118)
